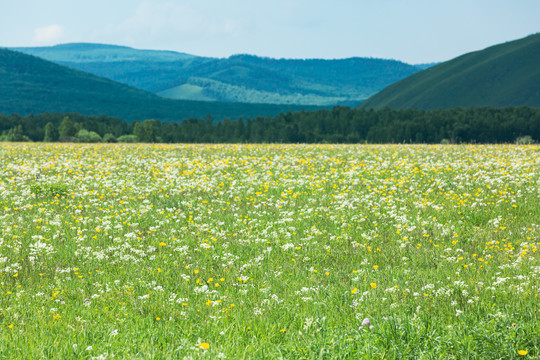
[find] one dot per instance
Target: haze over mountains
(507, 74)
(239, 78)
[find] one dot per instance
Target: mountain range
(238, 78)
(32, 85)
(506, 74)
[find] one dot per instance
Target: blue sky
(414, 31)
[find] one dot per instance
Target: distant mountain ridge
(89, 52)
(238, 78)
(506, 74)
(32, 85)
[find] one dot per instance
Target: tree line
(337, 125)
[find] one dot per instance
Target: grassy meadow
(269, 251)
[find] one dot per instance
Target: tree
(67, 128)
(138, 131)
(14, 134)
(147, 131)
(51, 134)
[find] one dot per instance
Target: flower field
(269, 251)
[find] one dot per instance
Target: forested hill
(503, 75)
(239, 78)
(32, 85)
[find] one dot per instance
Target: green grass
(507, 74)
(186, 92)
(269, 251)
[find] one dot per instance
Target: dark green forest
(337, 125)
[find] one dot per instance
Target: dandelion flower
(354, 290)
(373, 285)
(523, 352)
(204, 346)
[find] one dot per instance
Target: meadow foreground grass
(269, 251)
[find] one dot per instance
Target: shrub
(66, 139)
(128, 139)
(524, 140)
(85, 136)
(109, 138)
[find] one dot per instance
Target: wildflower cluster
(226, 251)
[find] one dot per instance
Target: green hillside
(503, 75)
(239, 78)
(32, 85)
